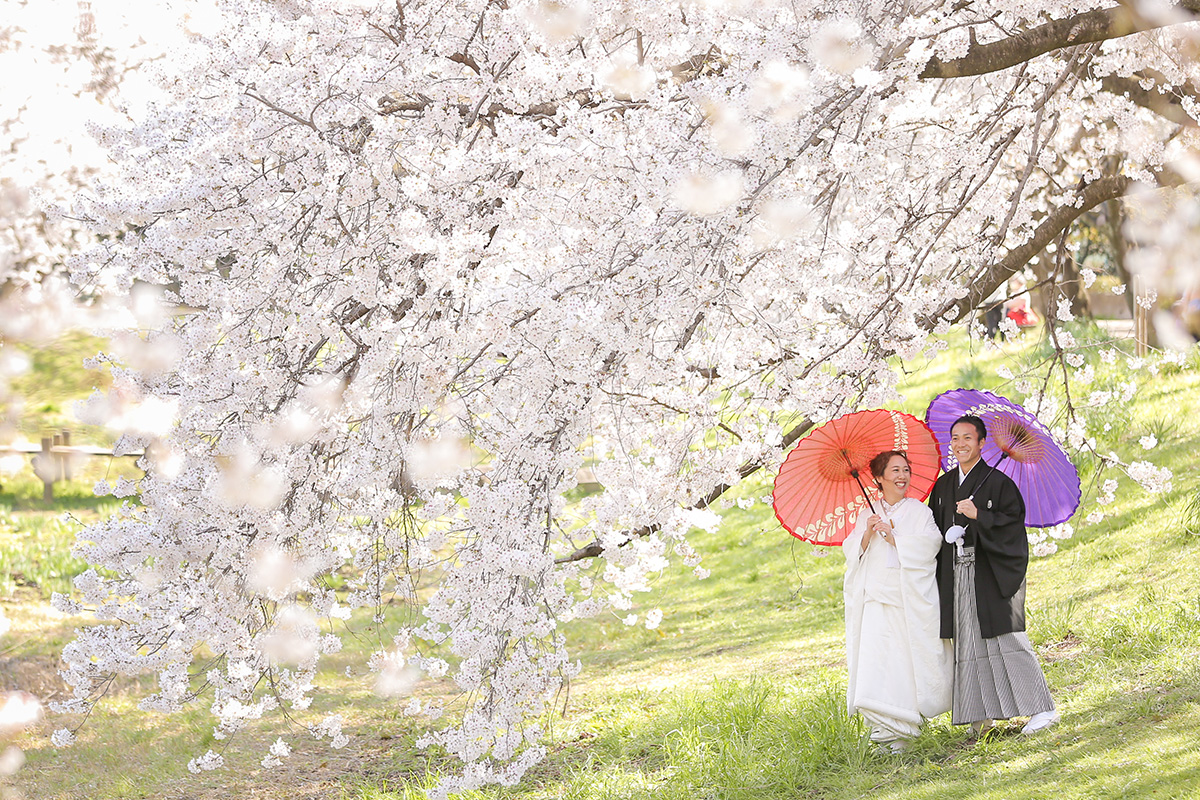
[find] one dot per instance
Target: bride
(899, 667)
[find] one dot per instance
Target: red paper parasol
(819, 490)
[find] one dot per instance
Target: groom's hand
(967, 508)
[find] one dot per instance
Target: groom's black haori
(1001, 548)
(981, 590)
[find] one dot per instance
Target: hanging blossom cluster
(425, 265)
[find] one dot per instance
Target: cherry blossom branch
(1166, 103)
(1091, 26)
(744, 471)
(1090, 196)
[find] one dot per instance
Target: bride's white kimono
(900, 668)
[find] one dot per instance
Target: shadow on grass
(759, 738)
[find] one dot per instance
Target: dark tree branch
(1167, 104)
(1088, 197)
(1090, 26)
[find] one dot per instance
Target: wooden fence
(56, 458)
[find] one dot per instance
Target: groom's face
(965, 443)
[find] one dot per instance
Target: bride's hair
(879, 463)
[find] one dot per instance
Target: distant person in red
(1017, 306)
(981, 584)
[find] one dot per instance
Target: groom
(981, 580)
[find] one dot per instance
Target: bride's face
(895, 479)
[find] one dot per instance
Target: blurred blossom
(123, 409)
(839, 46)
(36, 317)
(324, 395)
(147, 306)
(435, 461)
(627, 79)
(780, 87)
(11, 760)
(709, 194)
(294, 638)
(729, 132)
(1168, 226)
(275, 573)
(46, 469)
(154, 416)
(150, 356)
(559, 21)
(782, 219)
(202, 19)
(62, 738)
(11, 463)
(13, 362)
(396, 677)
(293, 425)
(166, 461)
(18, 710)
(1161, 12)
(245, 480)
(1188, 165)
(1171, 332)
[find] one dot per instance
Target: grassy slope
(55, 380)
(737, 694)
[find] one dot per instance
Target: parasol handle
(854, 472)
(992, 468)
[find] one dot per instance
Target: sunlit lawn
(738, 693)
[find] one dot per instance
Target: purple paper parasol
(1018, 445)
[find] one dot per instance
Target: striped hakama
(994, 678)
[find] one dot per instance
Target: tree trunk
(1071, 284)
(1116, 237)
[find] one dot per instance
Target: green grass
(55, 380)
(35, 551)
(739, 692)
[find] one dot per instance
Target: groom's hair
(971, 419)
(879, 463)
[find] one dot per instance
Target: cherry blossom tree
(424, 262)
